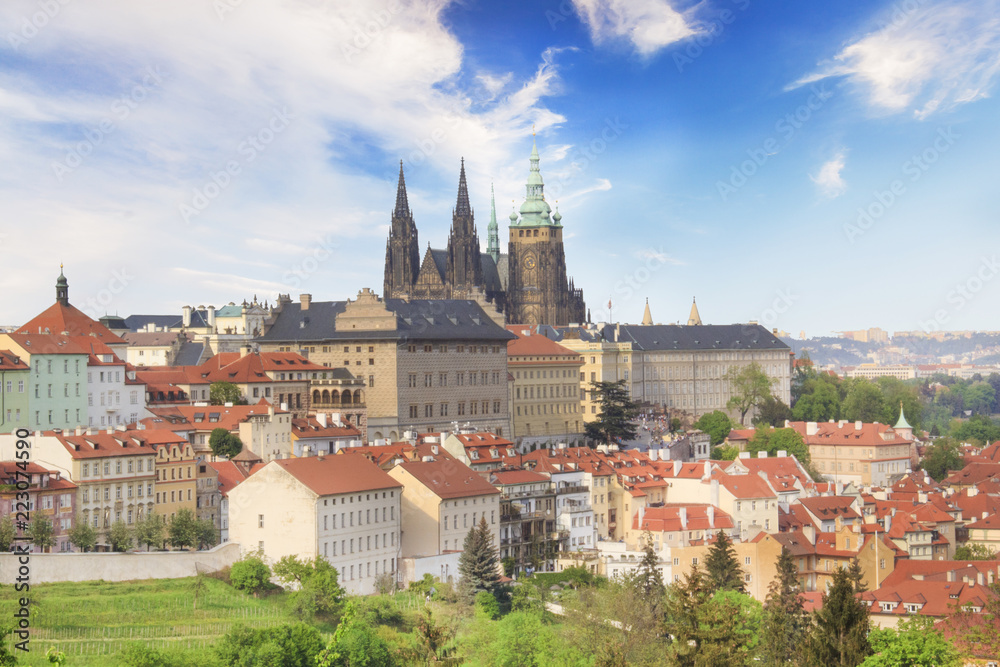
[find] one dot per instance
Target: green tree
(250, 574)
(819, 402)
(7, 658)
(7, 533)
(82, 535)
(183, 529)
(434, 639)
(685, 601)
(864, 402)
(41, 532)
(319, 590)
(942, 456)
(896, 392)
(785, 623)
(206, 534)
(487, 606)
(120, 536)
(288, 645)
(224, 443)
(220, 393)
(616, 414)
(980, 398)
(729, 626)
(633, 634)
(648, 578)
(840, 629)
(749, 387)
(477, 566)
(355, 644)
(716, 424)
(979, 428)
(150, 531)
(722, 570)
(914, 643)
(774, 440)
(974, 551)
(772, 412)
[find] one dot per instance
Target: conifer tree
(785, 621)
(839, 634)
(479, 563)
(684, 612)
(722, 570)
(648, 577)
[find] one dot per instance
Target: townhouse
(49, 494)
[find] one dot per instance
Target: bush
(250, 574)
(487, 606)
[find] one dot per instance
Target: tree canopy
(224, 443)
(82, 535)
(220, 393)
(785, 623)
(716, 424)
(841, 626)
(478, 565)
(774, 440)
(749, 387)
(940, 457)
(722, 570)
(616, 414)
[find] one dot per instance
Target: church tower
(493, 242)
(402, 251)
(465, 269)
(538, 290)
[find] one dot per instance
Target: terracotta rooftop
(449, 478)
(332, 475)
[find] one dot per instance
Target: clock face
(529, 262)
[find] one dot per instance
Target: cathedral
(528, 284)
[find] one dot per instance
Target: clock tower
(538, 290)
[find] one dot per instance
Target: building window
(444, 409)
(413, 412)
(260, 520)
(428, 410)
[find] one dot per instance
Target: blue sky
(815, 167)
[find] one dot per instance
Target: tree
(477, 565)
(716, 424)
(940, 457)
(864, 401)
(7, 533)
(616, 415)
(772, 412)
(206, 534)
(7, 659)
(82, 535)
(774, 440)
(220, 393)
(841, 625)
(434, 639)
(355, 644)
(633, 633)
(749, 387)
(980, 397)
(648, 578)
(183, 529)
(41, 532)
(684, 613)
(120, 536)
(915, 642)
(819, 400)
(785, 622)
(250, 574)
(722, 570)
(319, 589)
(729, 625)
(224, 443)
(979, 428)
(288, 645)
(150, 530)
(973, 551)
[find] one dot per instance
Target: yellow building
(546, 404)
(176, 472)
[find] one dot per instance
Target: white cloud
(358, 79)
(649, 25)
(659, 256)
(932, 57)
(828, 178)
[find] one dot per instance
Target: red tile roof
(533, 344)
(510, 477)
(311, 428)
(11, 362)
(60, 319)
(449, 478)
(332, 475)
(848, 433)
(101, 444)
(667, 518)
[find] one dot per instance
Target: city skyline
(809, 168)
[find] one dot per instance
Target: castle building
(528, 285)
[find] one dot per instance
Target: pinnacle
(402, 209)
(463, 207)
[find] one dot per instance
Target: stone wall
(49, 568)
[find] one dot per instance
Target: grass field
(93, 621)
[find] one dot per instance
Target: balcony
(526, 494)
(572, 489)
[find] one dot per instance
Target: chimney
(857, 425)
(305, 300)
(684, 517)
(951, 575)
(838, 524)
(642, 514)
(782, 453)
(809, 531)
(762, 454)
(270, 412)
(979, 578)
(321, 419)
(677, 468)
(186, 316)
(711, 516)
(211, 317)
(811, 428)
(887, 522)
(653, 454)
(79, 430)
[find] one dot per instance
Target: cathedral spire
(493, 242)
(402, 209)
(463, 207)
(535, 211)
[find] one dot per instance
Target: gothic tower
(538, 290)
(465, 268)
(402, 251)
(493, 242)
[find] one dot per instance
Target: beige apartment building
(176, 472)
(865, 454)
(426, 363)
(115, 472)
(546, 404)
(341, 508)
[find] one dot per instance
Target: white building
(342, 508)
(574, 513)
(114, 396)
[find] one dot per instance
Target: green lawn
(93, 621)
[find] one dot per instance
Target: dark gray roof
(681, 337)
(199, 318)
(440, 258)
(491, 277)
(503, 271)
(189, 354)
(422, 319)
